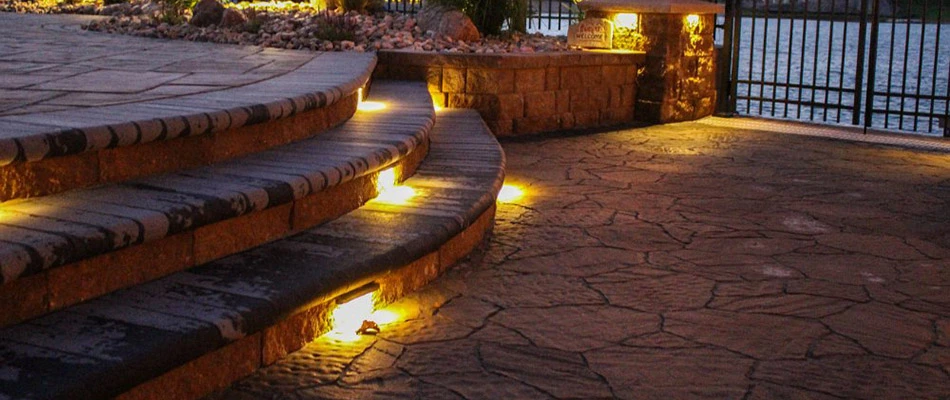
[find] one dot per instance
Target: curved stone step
(50, 152)
(62, 249)
(196, 331)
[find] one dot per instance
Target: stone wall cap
(509, 60)
(653, 6)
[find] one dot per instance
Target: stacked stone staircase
(191, 241)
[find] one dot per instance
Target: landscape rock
(232, 18)
(448, 22)
(207, 13)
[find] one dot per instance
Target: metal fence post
(872, 65)
(725, 64)
(859, 74)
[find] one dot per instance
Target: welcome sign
(596, 33)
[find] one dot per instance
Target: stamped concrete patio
(683, 261)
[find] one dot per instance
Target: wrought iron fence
(403, 6)
(872, 63)
(550, 17)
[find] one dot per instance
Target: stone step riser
(59, 174)
(300, 186)
(61, 287)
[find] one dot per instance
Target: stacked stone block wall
(678, 82)
(520, 94)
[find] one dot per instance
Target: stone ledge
(163, 337)
(81, 244)
(509, 60)
(34, 144)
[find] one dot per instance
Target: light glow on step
(510, 193)
(390, 192)
(349, 316)
(371, 106)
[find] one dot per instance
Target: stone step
(193, 332)
(50, 152)
(62, 249)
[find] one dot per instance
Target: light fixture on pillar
(692, 20)
(627, 20)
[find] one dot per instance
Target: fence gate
(873, 63)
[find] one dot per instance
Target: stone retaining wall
(518, 94)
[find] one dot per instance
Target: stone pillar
(678, 79)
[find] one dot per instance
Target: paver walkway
(679, 261)
(47, 63)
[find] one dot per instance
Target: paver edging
(186, 131)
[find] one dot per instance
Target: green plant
(488, 15)
(360, 6)
(335, 27)
(173, 11)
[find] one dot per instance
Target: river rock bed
(296, 26)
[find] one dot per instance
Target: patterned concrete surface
(47, 63)
(65, 91)
(680, 261)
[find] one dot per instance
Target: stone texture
(678, 262)
(169, 325)
(447, 21)
(232, 18)
(678, 82)
(207, 12)
(112, 94)
(857, 377)
(884, 329)
(519, 94)
(675, 373)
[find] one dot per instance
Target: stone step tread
(319, 83)
(47, 232)
(106, 346)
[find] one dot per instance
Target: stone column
(678, 79)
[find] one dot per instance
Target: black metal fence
(551, 16)
(873, 63)
(403, 6)
(546, 16)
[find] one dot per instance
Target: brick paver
(47, 63)
(682, 261)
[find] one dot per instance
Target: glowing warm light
(627, 20)
(348, 317)
(510, 193)
(389, 192)
(371, 106)
(386, 180)
(396, 196)
(692, 20)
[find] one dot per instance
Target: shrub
(360, 6)
(335, 27)
(173, 11)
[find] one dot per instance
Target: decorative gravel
(295, 26)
